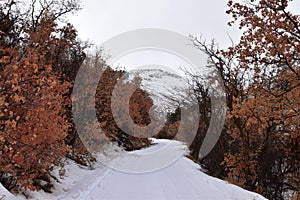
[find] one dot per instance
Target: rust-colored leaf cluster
(260, 144)
(34, 90)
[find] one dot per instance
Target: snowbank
(4, 194)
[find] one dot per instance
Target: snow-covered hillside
(165, 88)
(182, 180)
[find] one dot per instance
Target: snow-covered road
(180, 180)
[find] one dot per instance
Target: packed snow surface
(182, 179)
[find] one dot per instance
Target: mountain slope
(166, 89)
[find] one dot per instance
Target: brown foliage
(271, 35)
(33, 123)
(39, 62)
(96, 84)
(259, 146)
(264, 121)
(261, 80)
(139, 106)
(33, 117)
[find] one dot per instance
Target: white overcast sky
(99, 20)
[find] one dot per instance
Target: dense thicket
(259, 147)
(261, 79)
(39, 61)
(264, 120)
(34, 97)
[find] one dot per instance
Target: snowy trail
(4, 194)
(181, 180)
